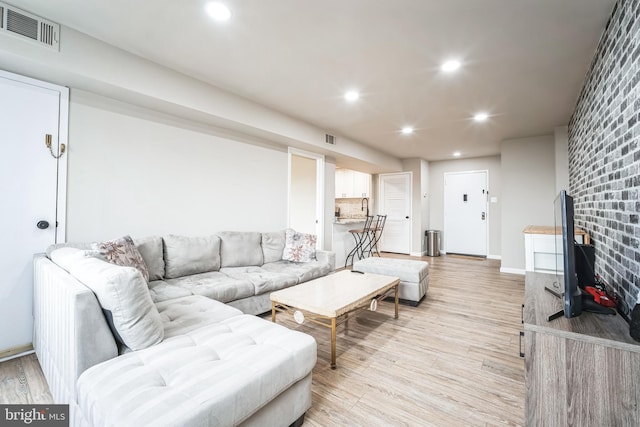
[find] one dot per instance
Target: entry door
(29, 110)
(465, 213)
(395, 202)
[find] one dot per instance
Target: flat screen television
(575, 300)
(565, 255)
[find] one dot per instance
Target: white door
(28, 185)
(395, 202)
(465, 213)
(306, 194)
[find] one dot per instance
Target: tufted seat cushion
(262, 280)
(214, 285)
(305, 271)
(183, 315)
(218, 374)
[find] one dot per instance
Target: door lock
(483, 216)
(42, 225)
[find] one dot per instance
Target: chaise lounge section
(174, 351)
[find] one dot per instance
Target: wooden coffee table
(328, 300)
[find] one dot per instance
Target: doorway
(465, 212)
(306, 193)
(33, 188)
(395, 202)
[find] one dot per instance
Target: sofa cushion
(123, 295)
(214, 285)
(186, 314)
(184, 256)
(162, 291)
(152, 253)
(261, 279)
(240, 248)
(299, 247)
(218, 375)
(304, 271)
(122, 252)
(273, 245)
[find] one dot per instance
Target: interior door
(465, 213)
(303, 195)
(395, 202)
(306, 193)
(28, 185)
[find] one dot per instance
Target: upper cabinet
(352, 184)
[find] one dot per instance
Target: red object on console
(600, 297)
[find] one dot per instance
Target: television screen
(565, 258)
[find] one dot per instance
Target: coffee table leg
(397, 300)
(273, 312)
(333, 343)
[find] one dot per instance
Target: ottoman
(413, 275)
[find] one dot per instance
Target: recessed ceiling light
(218, 11)
(407, 130)
(456, 154)
(351, 95)
(480, 117)
(450, 66)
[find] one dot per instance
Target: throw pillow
(122, 252)
(299, 247)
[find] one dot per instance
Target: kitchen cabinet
(352, 184)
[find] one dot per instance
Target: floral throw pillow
(299, 247)
(122, 252)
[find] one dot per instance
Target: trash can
(432, 239)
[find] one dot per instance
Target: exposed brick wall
(604, 153)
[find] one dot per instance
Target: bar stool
(362, 238)
(374, 235)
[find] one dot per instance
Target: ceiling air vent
(330, 139)
(29, 27)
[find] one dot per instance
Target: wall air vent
(29, 27)
(330, 139)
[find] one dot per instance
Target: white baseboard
(494, 256)
(16, 355)
(423, 253)
(519, 271)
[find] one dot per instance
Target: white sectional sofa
(184, 348)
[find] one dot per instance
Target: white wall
(329, 200)
(528, 192)
(436, 194)
(561, 136)
(419, 204)
(134, 171)
(86, 63)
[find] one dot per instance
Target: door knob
(42, 225)
(407, 217)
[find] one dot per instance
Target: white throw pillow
(123, 295)
(299, 247)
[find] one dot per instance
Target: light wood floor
(451, 361)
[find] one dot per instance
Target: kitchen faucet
(365, 201)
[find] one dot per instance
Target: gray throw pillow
(122, 252)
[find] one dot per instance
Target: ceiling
(523, 61)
